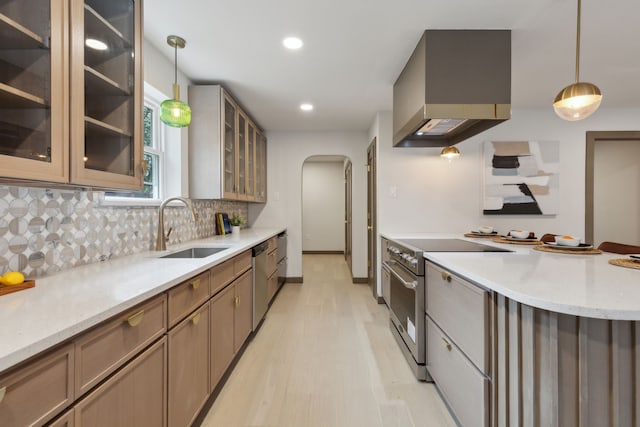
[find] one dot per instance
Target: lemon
(13, 278)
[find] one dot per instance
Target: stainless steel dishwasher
(260, 302)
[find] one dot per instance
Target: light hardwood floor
(324, 356)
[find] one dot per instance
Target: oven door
(407, 307)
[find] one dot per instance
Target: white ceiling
(355, 49)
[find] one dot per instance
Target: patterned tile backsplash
(43, 231)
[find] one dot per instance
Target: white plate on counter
(580, 247)
(519, 239)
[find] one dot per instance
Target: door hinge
(368, 168)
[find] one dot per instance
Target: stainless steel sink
(195, 253)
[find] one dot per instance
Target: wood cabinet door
(107, 88)
(134, 396)
(66, 420)
(251, 162)
(188, 374)
(241, 156)
(243, 309)
(34, 90)
(35, 393)
(222, 311)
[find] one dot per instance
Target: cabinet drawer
(65, 420)
(135, 396)
(272, 262)
(272, 244)
(461, 309)
(185, 297)
(272, 286)
(242, 263)
(35, 393)
(464, 387)
(105, 348)
(222, 275)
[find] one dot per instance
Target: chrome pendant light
(174, 112)
(580, 99)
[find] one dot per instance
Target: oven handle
(410, 284)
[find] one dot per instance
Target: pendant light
(450, 153)
(174, 112)
(580, 99)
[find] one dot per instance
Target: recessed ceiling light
(306, 107)
(96, 44)
(292, 43)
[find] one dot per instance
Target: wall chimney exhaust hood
(456, 84)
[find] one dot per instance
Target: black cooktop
(448, 245)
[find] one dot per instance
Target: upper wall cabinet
(34, 90)
(71, 92)
(225, 161)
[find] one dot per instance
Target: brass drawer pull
(196, 319)
(446, 277)
(195, 284)
(135, 319)
(237, 301)
(3, 391)
(446, 344)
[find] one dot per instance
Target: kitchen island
(562, 345)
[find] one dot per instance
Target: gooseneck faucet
(161, 239)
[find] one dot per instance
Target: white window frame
(152, 98)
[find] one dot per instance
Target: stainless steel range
(404, 291)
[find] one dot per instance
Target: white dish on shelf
(580, 247)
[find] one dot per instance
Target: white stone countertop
(580, 285)
(62, 305)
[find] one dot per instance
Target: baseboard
(322, 252)
(293, 280)
(381, 300)
(360, 280)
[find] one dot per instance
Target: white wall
(323, 206)
(286, 153)
(433, 195)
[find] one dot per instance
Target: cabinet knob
(135, 319)
(3, 391)
(195, 284)
(196, 319)
(446, 344)
(446, 277)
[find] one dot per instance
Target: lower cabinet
(35, 393)
(231, 324)
(188, 374)
(134, 396)
(65, 420)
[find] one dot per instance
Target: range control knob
(394, 250)
(413, 261)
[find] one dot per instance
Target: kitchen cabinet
(231, 322)
(65, 420)
(187, 296)
(106, 83)
(34, 90)
(135, 396)
(94, 137)
(272, 268)
(188, 371)
(226, 148)
(459, 339)
(36, 392)
(105, 348)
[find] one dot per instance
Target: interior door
(613, 187)
(371, 217)
(348, 215)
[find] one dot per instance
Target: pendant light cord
(578, 45)
(175, 59)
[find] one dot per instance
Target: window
(153, 134)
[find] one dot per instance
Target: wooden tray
(625, 262)
(593, 251)
(4, 289)
(480, 236)
(517, 242)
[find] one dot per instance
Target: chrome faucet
(161, 239)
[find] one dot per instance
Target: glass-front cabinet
(71, 92)
(251, 164)
(229, 147)
(106, 83)
(261, 167)
(34, 90)
(242, 156)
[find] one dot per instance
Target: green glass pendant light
(174, 112)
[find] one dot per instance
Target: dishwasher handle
(258, 249)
